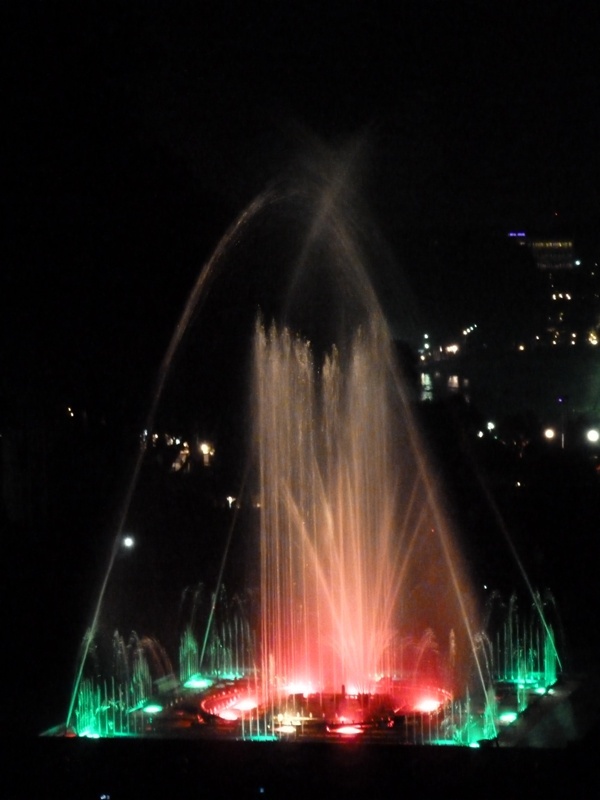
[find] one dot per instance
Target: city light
(207, 451)
(549, 433)
(593, 435)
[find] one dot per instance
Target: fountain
(367, 623)
(356, 557)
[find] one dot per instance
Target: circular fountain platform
(241, 707)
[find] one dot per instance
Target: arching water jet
(366, 613)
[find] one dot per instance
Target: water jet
(362, 620)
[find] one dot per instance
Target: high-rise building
(568, 291)
(552, 254)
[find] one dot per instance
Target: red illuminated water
(361, 580)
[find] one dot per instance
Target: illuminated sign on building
(553, 254)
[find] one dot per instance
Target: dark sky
(137, 133)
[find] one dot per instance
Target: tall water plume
(361, 579)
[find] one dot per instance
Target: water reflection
(426, 388)
(438, 385)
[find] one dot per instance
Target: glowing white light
(128, 541)
(348, 730)
(480, 434)
(207, 451)
(427, 705)
(490, 426)
(549, 433)
(352, 690)
(593, 435)
(452, 348)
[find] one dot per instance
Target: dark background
(135, 134)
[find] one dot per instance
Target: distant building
(553, 254)
(568, 291)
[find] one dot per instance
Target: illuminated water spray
(358, 563)
(367, 615)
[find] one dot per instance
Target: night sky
(136, 135)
